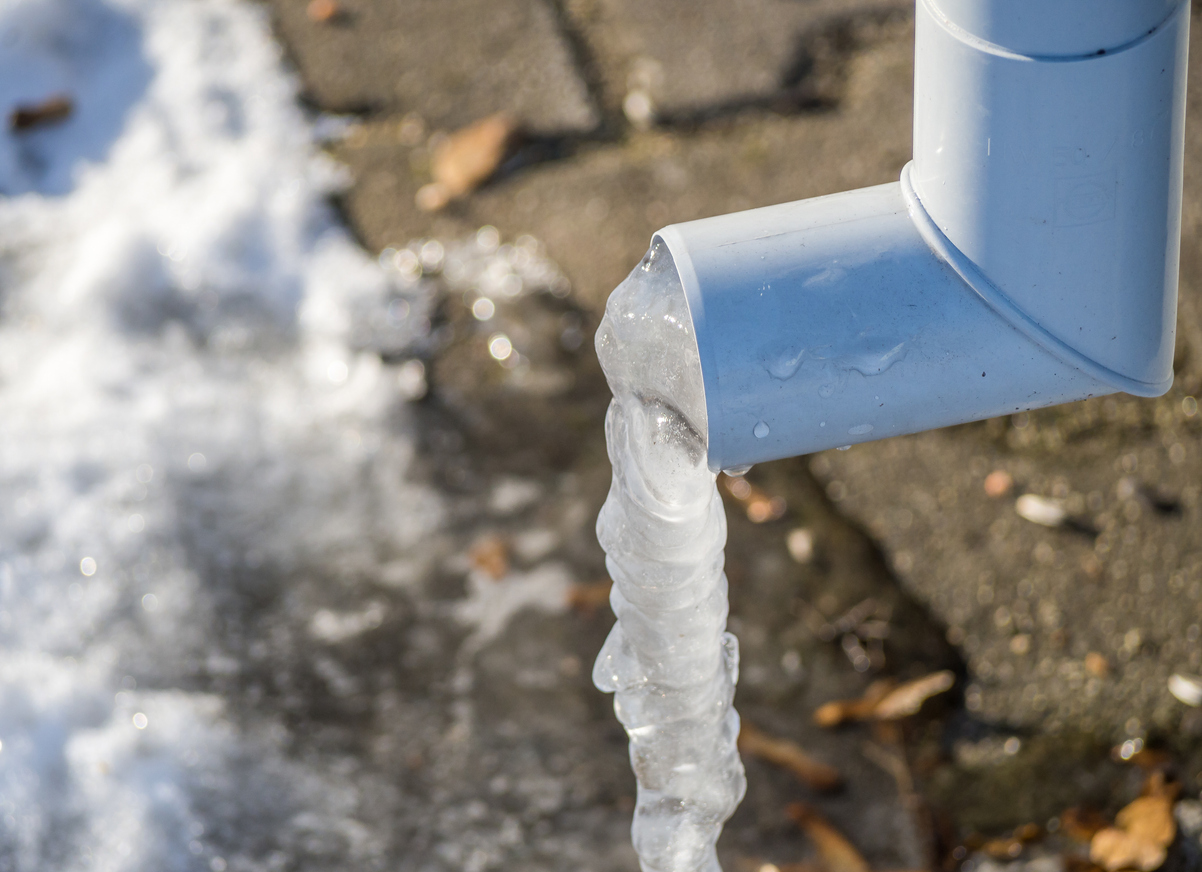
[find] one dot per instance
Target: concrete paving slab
(713, 57)
(449, 61)
(596, 208)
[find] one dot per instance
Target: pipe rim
(981, 43)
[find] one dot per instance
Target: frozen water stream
(668, 660)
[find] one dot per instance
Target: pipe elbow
(1027, 257)
(832, 321)
(1055, 174)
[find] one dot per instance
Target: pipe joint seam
(1014, 315)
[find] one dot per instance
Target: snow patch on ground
(183, 399)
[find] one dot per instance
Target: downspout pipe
(1028, 255)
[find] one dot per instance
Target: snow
(193, 412)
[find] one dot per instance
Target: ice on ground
(491, 602)
(668, 660)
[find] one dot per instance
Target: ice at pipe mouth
(668, 661)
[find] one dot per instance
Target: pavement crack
(612, 123)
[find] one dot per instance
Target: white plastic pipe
(1027, 257)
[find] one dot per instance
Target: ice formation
(668, 660)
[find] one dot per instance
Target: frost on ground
(202, 422)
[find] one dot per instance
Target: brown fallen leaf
(1158, 783)
(323, 11)
(490, 555)
(907, 699)
(788, 755)
(832, 714)
(1140, 838)
(838, 854)
(33, 115)
(588, 598)
(467, 159)
(885, 700)
(1114, 849)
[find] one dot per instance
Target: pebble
(801, 545)
(998, 483)
(1040, 510)
(1187, 688)
(323, 11)
(1097, 665)
(1188, 813)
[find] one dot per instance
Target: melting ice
(668, 660)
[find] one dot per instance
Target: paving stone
(596, 209)
(717, 55)
(449, 61)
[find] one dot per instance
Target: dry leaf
(33, 115)
(1115, 849)
(1140, 838)
(838, 854)
(588, 598)
(466, 159)
(832, 714)
(788, 755)
(1157, 783)
(323, 11)
(907, 699)
(884, 700)
(490, 555)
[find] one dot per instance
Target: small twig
(789, 755)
